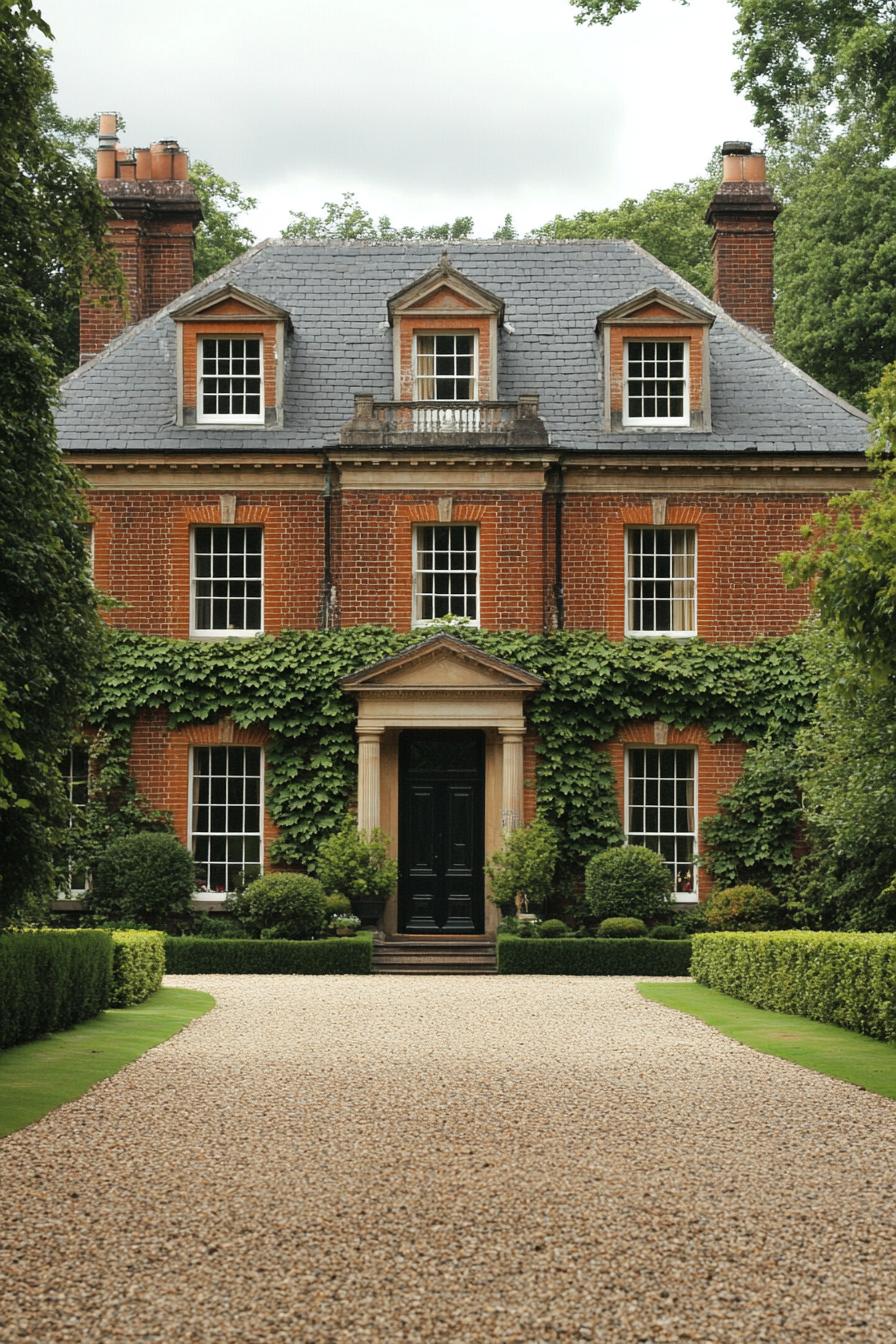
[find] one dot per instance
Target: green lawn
(832, 1050)
(39, 1076)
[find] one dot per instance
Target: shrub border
(269, 956)
(593, 956)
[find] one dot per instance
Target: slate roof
(342, 344)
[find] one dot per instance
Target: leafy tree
(347, 219)
(668, 223)
(851, 550)
(220, 237)
(835, 261)
(52, 217)
(810, 54)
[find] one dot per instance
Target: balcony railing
(499, 424)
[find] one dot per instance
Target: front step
(435, 956)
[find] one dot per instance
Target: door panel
(441, 832)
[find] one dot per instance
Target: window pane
(665, 776)
(227, 579)
(226, 835)
(655, 381)
(446, 571)
(231, 378)
(660, 578)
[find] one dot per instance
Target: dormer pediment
(229, 303)
(445, 289)
(655, 306)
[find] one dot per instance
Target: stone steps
(434, 956)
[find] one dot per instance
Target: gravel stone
(391, 1159)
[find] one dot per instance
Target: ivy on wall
(288, 684)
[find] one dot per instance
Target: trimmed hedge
(51, 979)
(269, 956)
(592, 956)
(138, 964)
(846, 979)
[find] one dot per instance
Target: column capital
(372, 733)
(511, 733)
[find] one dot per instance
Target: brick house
(530, 435)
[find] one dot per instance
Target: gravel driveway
(450, 1159)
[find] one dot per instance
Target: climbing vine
(288, 684)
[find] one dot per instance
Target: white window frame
(69, 777)
(200, 632)
(416, 595)
(659, 421)
(435, 401)
(191, 833)
(629, 582)
(201, 417)
(681, 897)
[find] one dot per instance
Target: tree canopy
(347, 219)
(51, 218)
(220, 238)
(804, 55)
(668, 222)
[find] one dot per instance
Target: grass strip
(831, 1050)
(39, 1076)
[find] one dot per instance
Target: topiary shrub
(631, 881)
(744, 909)
(283, 905)
(148, 878)
(553, 928)
(358, 868)
(521, 873)
(666, 931)
(138, 964)
(619, 927)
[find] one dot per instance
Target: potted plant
(521, 873)
(345, 926)
(358, 867)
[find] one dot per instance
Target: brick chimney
(742, 214)
(155, 211)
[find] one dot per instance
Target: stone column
(512, 779)
(369, 778)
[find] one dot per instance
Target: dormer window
(656, 365)
(656, 383)
(230, 380)
(445, 366)
(231, 352)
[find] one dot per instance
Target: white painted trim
(218, 420)
(678, 897)
(660, 634)
(641, 422)
(221, 634)
(436, 620)
(217, 896)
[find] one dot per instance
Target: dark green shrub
(630, 881)
(337, 905)
(51, 979)
(147, 879)
(622, 928)
(690, 919)
(138, 964)
(251, 956)
(216, 926)
(553, 928)
(521, 873)
(665, 931)
(358, 868)
(592, 956)
(282, 905)
(847, 979)
(743, 909)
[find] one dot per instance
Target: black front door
(441, 794)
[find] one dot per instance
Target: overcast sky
(427, 111)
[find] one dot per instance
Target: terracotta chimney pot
(105, 162)
(144, 164)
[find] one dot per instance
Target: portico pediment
(442, 663)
